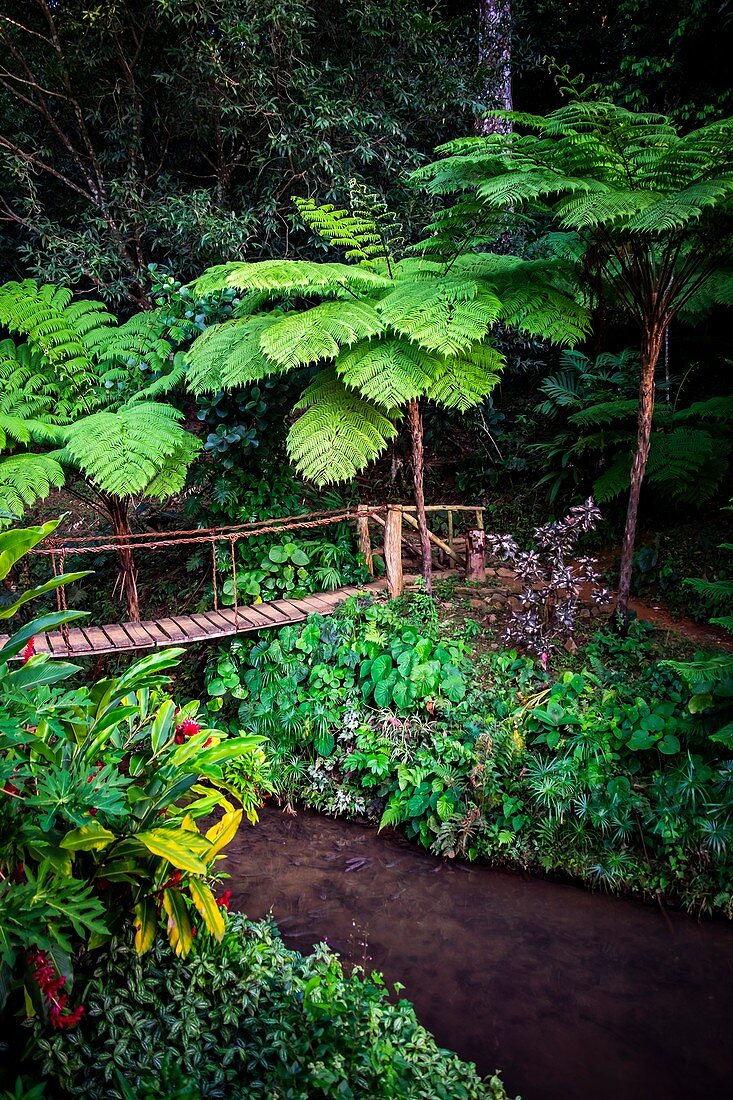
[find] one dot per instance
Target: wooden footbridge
(224, 621)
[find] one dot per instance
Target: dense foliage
(248, 1017)
(601, 769)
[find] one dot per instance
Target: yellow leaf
(179, 926)
(205, 902)
(223, 832)
(144, 926)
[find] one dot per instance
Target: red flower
(186, 729)
(225, 900)
(51, 985)
(29, 651)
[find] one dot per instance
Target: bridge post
(393, 550)
(365, 543)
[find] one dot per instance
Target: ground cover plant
(597, 764)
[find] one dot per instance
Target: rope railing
(154, 540)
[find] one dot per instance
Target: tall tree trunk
(495, 58)
(651, 346)
(414, 418)
(118, 513)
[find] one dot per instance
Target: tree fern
(25, 478)
(387, 332)
(634, 205)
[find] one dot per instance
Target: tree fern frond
(389, 372)
(26, 478)
(359, 235)
(229, 354)
(447, 316)
(338, 434)
(463, 381)
(123, 452)
(290, 278)
(319, 333)
(606, 412)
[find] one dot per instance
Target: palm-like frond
(290, 278)
(338, 434)
(128, 451)
(388, 372)
(26, 478)
(318, 334)
(444, 315)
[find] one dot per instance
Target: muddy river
(573, 995)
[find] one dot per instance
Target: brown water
(572, 994)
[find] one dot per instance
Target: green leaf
(383, 693)
(205, 902)
(381, 667)
(163, 725)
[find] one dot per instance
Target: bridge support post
(393, 550)
(475, 555)
(365, 542)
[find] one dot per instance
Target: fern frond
(290, 278)
(466, 380)
(338, 434)
(229, 354)
(26, 478)
(389, 372)
(447, 316)
(359, 235)
(63, 332)
(319, 333)
(124, 452)
(606, 412)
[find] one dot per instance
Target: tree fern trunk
(118, 513)
(414, 418)
(650, 350)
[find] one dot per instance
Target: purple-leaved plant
(553, 579)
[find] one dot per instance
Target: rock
(493, 618)
(476, 603)
(506, 574)
(570, 646)
(584, 613)
(497, 600)
(515, 604)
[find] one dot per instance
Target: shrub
(248, 1017)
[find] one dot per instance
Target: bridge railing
(390, 519)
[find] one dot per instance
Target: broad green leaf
(163, 725)
(175, 845)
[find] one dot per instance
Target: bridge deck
(184, 629)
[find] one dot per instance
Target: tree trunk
(650, 349)
(118, 513)
(418, 467)
(495, 58)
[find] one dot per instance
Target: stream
(573, 995)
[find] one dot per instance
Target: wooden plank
(393, 550)
(195, 625)
(140, 635)
(171, 630)
(276, 617)
(291, 608)
(255, 619)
